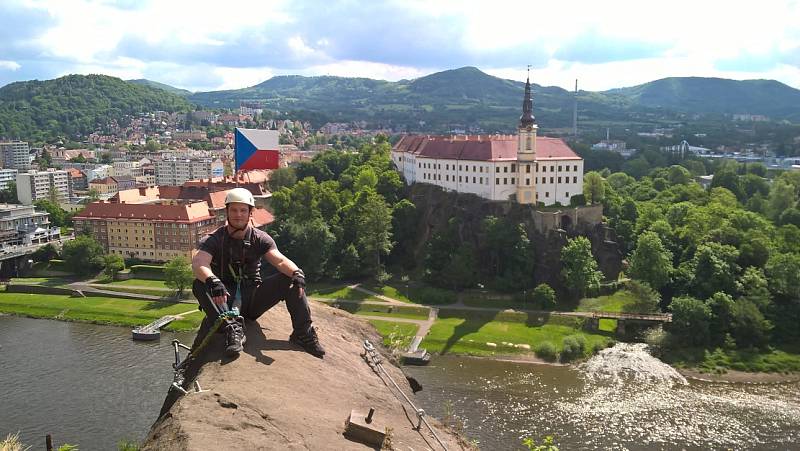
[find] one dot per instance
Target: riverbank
(99, 310)
(740, 377)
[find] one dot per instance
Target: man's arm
(201, 267)
(280, 262)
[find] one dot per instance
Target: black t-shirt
(231, 256)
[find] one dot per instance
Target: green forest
(76, 105)
(725, 261)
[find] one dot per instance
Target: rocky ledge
(275, 396)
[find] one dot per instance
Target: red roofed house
(151, 232)
(528, 167)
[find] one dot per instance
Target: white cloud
(9, 65)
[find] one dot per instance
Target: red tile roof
(481, 148)
(262, 217)
(196, 211)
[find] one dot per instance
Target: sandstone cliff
(275, 396)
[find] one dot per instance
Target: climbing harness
(179, 366)
(372, 358)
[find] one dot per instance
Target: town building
(176, 171)
(16, 155)
(35, 185)
(22, 225)
(110, 185)
(525, 167)
(77, 181)
(151, 232)
(6, 176)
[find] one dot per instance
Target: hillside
(467, 97)
(165, 87)
(715, 95)
(76, 104)
(275, 396)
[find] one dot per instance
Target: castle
(527, 168)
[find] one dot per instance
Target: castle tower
(526, 150)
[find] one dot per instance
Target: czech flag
(256, 149)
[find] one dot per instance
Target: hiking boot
(309, 342)
(234, 337)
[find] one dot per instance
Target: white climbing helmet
(240, 195)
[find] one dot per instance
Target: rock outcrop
(275, 396)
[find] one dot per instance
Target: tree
(58, 216)
(749, 326)
(690, 321)
(9, 195)
(44, 253)
(461, 270)
(84, 254)
(94, 195)
(645, 298)
(727, 178)
(593, 188)
(282, 177)
(781, 196)
(651, 262)
(579, 266)
(713, 268)
(544, 296)
(783, 275)
(112, 264)
(178, 274)
(373, 228)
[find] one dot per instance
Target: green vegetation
(140, 283)
(124, 312)
(178, 275)
(76, 105)
(469, 333)
(328, 291)
(399, 311)
(166, 295)
(395, 335)
(720, 360)
(615, 303)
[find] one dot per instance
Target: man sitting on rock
(227, 277)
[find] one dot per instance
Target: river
(92, 386)
(85, 384)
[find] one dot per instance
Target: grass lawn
(339, 292)
(397, 311)
(128, 312)
(188, 323)
(141, 283)
(719, 360)
(166, 294)
(612, 303)
(469, 335)
(607, 325)
(395, 335)
(46, 281)
(395, 314)
(416, 293)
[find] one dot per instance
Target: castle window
(505, 181)
(473, 169)
(473, 179)
(529, 143)
(559, 180)
(567, 168)
(527, 168)
(446, 178)
(459, 179)
(567, 195)
(513, 180)
(544, 168)
(459, 167)
(505, 169)
(576, 168)
(528, 182)
(513, 167)
(559, 169)
(496, 181)
(551, 179)
(574, 179)
(547, 194)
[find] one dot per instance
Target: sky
(205, 45)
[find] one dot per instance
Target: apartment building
(36, 185)
(16, 155)
(22, 225)
(176, 171)
(7, 175)
(155, 232)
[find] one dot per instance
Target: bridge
(152, 330)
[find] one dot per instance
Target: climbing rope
(179, 367)
(371, 354)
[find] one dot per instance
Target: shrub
(573, 347)
(546, 351)
(544, 296)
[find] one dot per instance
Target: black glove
(299, 279)
(216, 287)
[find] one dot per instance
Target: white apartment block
(36, 185)
(7, 175)
(16, 155)
(176, 172)
(524, 167)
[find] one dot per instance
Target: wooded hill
(76, 105)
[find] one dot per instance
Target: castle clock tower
(526, 150)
